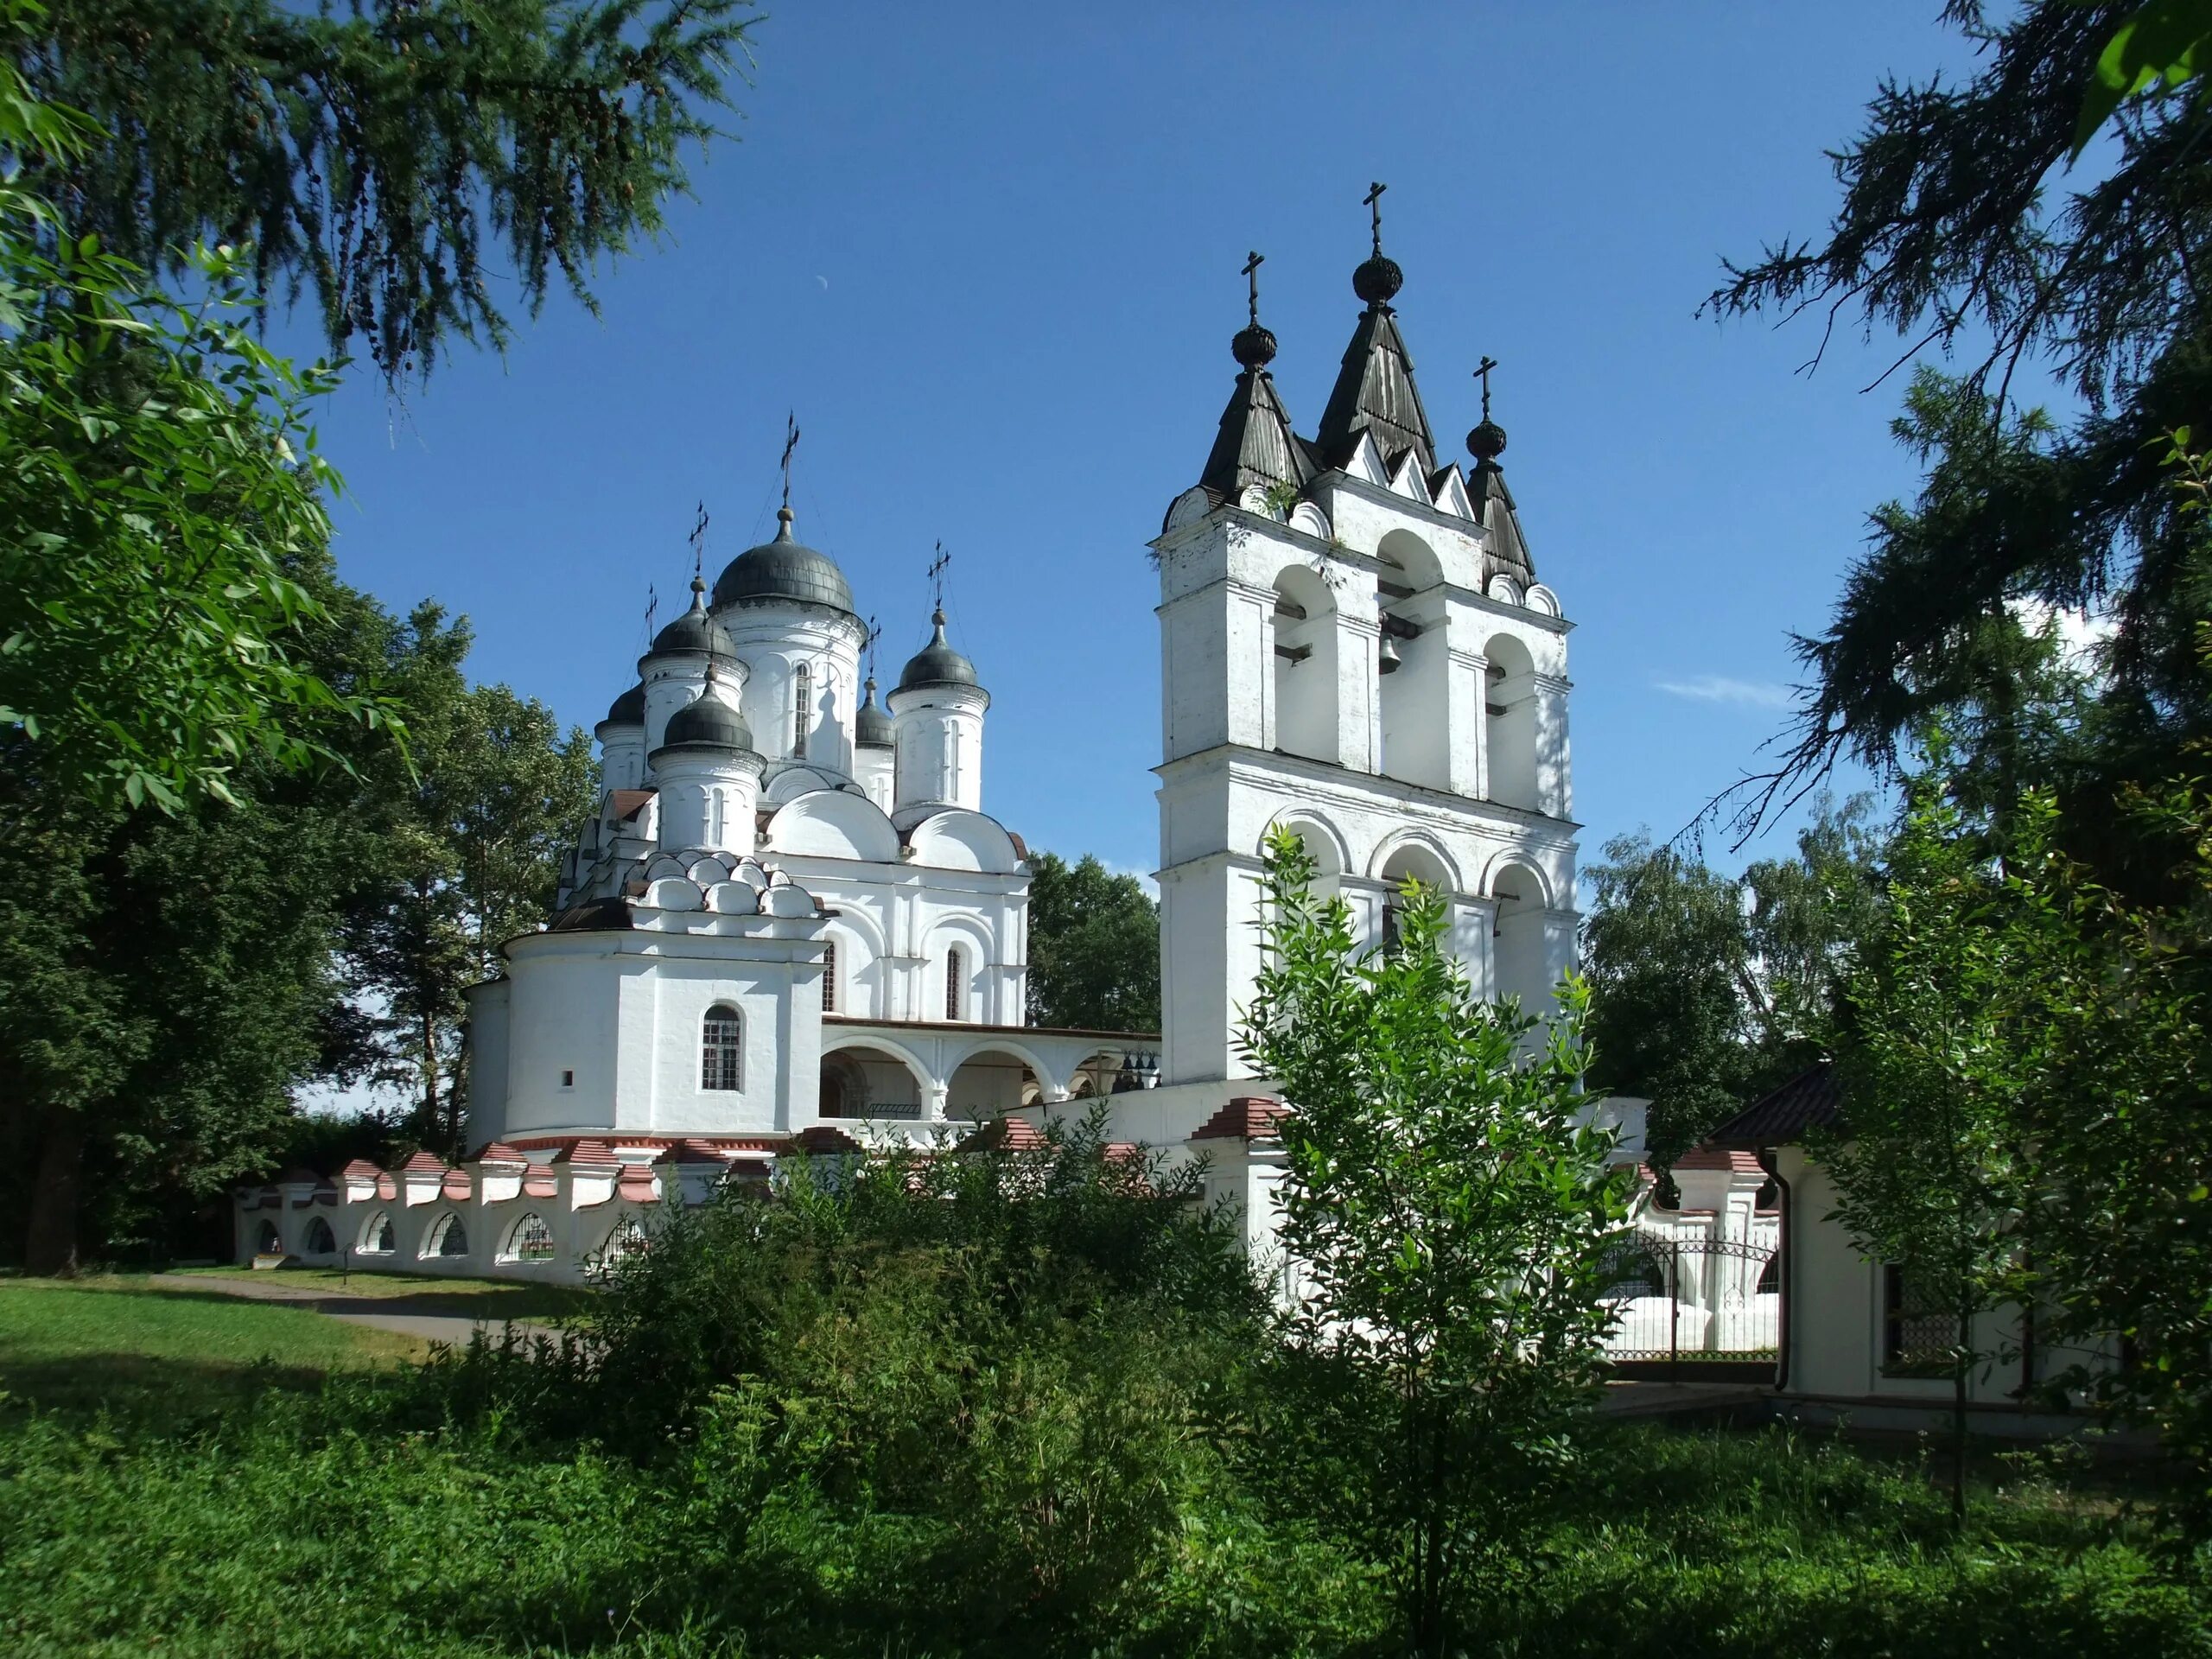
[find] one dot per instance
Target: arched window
(320, 1240)
(449, 1237)
(626, 1239)
(801, 707)
(271, 1241)
(531, 1240)
(829, 977)
(1770, 1282)
(379, 1238)
(721, 1049)
(955, 971)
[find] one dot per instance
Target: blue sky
(989, 254)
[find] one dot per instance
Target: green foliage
(1094, 948)
(1704, 993)
(160, 492)
(1952, 227)
(2165, 46)
(368, 152)
(1444, 1207)
(1932, 1171)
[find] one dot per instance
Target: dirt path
(428, 1317)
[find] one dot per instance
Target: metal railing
(1693, 1301)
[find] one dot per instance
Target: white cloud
(1719, 688)
(2082, 635)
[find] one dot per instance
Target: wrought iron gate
(1693, 1305)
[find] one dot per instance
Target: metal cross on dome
(791, 442)
(1482, 374)
(874, 632)
(937, 576)
(1373, 201)
(1253, 261)
(698, 539)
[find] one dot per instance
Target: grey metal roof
(871, 724)
(695, 630)
(938, 663)
(1255, 444)
(629, 709)
(783, 570)
(1375, 391)
(1811, 1100)
(708, 722)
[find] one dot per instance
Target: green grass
(479, 1298)
(141, 1350)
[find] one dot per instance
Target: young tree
(1930, 1166)
(1094, 947)
(365, 152)
(1445, 1206)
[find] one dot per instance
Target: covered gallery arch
(873, 1078)
(993, 1079)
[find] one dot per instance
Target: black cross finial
(1252, 262)
(874, 632)
(791, 442)
(937, 575)
(1482, 374)
(652, 606)
(699, 542)
(1373, 201)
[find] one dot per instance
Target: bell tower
(1354, 644)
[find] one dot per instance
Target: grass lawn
(479, 1298)
(140, 1350)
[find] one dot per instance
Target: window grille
(721, 1049)
(829, 977)
(450, 1237)
(379, 1238)
(533, 1240)
(952, 984)
(800, 707)
(1917, 1335)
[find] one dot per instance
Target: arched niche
(991, 1080)
(1509, 722)
(833, 823)
(1415, 858)
(873, 1080)
(1403, 551)
(1520, 968)
(1323, 843)
(1303, 648)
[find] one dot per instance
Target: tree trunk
(433, 1118)
(50, 1240)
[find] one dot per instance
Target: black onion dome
(629, 709)
(872, 727)
(1486, 442)
(695, 630)
(783, 570)
(708, 722)
(938, 663)
(1253, 348)
(1377, 280)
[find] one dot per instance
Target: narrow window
(567, 1079)
(800, 708)
(952, 997)
(957, 757)
(720, 1048)
(714, 818)
(829, 977)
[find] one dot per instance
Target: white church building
(793, 924)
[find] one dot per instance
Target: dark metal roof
(1255, 444)
(707, 723)
(629, 709)
(695, 630)
(938, 663)
(1811, 1100)
(1375, 391)
(872, 726)
(783, 570)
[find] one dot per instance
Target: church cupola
(937, 713)
(1508, 552)
(1256, 447)
(874, 749)
(1375, 391)
(708, 774)
(677, 663)
(622, 740)
(784, 571)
